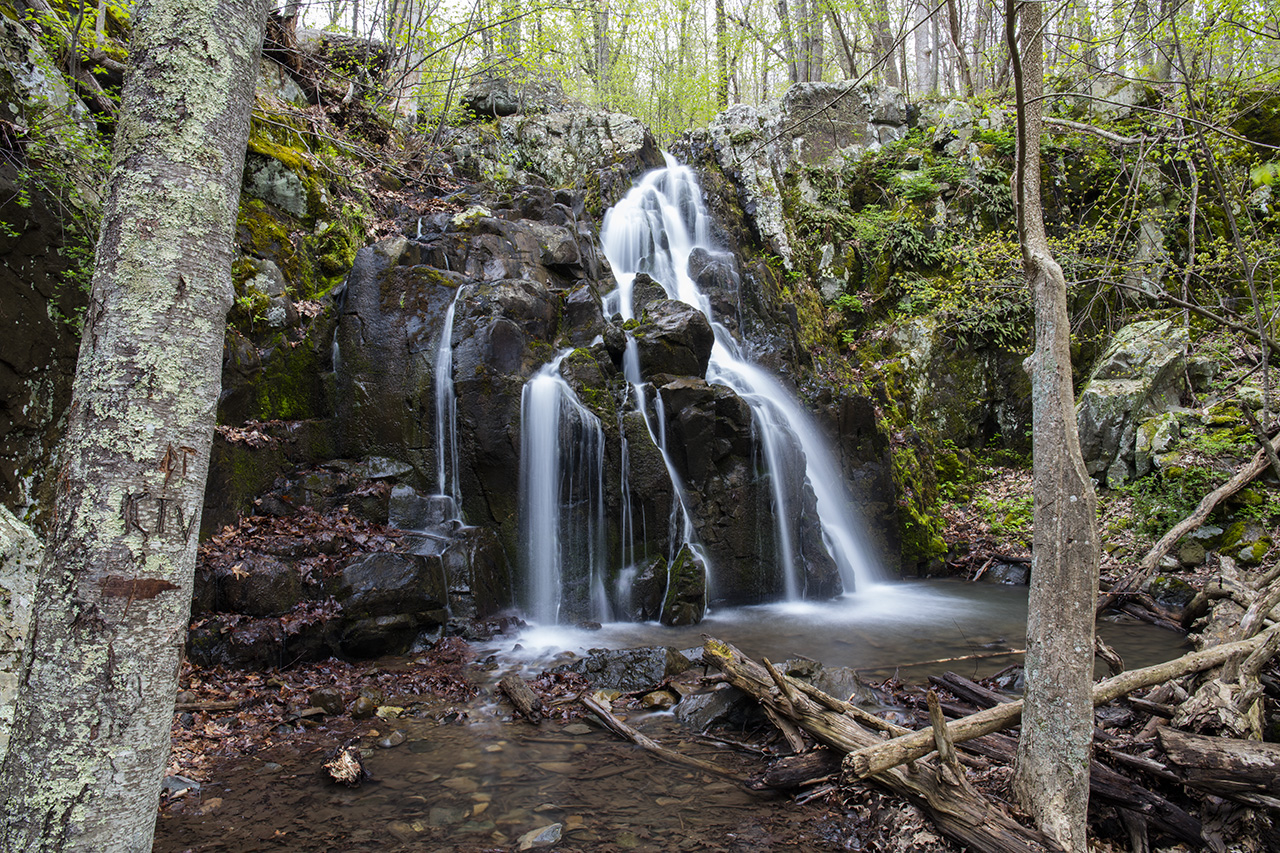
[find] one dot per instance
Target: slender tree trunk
(722, 58)
(957, 42)
(882, 41)
(789, 42)
(91, 735)
(1051, 775)
(925, 81)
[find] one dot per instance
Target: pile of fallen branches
(1153, 754)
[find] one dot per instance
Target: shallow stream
(469, 779)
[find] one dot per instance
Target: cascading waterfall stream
(562, 500)
(654, 230)
(447, 480)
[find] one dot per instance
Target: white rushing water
(447, 481)
(654, 230)
(561, 501)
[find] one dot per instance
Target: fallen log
(1109, 787)
(797, 771)
(957, 809)
(1247, 771)
(613, 724)
(522, 697)
(877, 758)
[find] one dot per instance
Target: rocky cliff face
(330, 392)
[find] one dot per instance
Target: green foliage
(1168, 496)
(1009, 517)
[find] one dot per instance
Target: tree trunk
(722, 59)
(91, 735)
(1052, 772)
(954, 28)
(882, 40)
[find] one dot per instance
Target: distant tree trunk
(1142, 38)
(954, 28)
(926, 76)
(404, 18)
(883, 42)
(848, 52)
(1051, 775)
(790, 47)
(511, 29)
(91, 735)
(814, 42)
(722, 58)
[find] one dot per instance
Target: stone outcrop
(1139, 377)
(815, 124)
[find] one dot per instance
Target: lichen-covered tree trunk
(91, 732)
(1051, 775)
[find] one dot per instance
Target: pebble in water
(542, 837)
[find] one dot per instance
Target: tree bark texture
(91, 735)
(1052, 771)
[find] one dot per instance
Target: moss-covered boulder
(686, 600)
(1140, 375)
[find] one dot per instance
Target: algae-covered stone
(1155, 436)
(1170, 592)
(1246, 541)
(686, 599)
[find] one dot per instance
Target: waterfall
(561, 501)
(447, 482)
(654, 229)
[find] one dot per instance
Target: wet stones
(628, 670)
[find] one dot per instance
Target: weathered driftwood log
(522, 696)
(1247, 771)
(797, 771)
(613, 724)
(1108, 786)
(955, 807)
(878, 757)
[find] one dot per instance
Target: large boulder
(674, 338)
(1140, 375)
(388, 599)
(815, 124)
(602, 152)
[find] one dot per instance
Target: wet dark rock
(842, 682)
(386, 584)
(647, 589)
(328, 699)
(1013, 574)
(716, 276)
(701, 711)
(628, 670)
(258, 586)
(674, 338)
(583, 315)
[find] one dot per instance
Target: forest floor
(454, 768)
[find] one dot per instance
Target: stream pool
(469, 779)
(916, 628)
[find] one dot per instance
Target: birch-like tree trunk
(91, 736)
(1051, 775)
